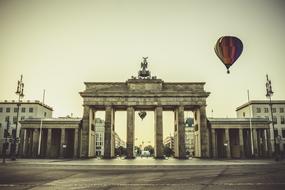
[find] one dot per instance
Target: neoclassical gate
(144, 93)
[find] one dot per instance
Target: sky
(59, 45)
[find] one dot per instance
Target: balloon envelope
(142, 114)
(228, 49)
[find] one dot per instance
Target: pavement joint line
(142, 184)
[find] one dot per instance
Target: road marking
(141, 184)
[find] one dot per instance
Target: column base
(130, 157)
(160, 157)
(109, 157)
(182, 158)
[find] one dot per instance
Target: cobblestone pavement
(199, 174)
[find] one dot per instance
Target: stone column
(84, 145)
(30, 148)
(269, 147)
(62, 142)
(241, 143)
(25, 143)
(49, 135)
(254, 135)
(263, 143)
(214, 143)
(228, 147)
(158, 133)
(35, 142)
(130, 132)
(21, 145)
(180, 136)
(108, 137)
(75, 146)
(204, 132)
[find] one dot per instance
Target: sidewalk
(138, 162)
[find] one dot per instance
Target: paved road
(200, 177)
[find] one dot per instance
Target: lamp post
(269, 93)
(20, 93)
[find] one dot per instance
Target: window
(283, 133)
(22, 118)
(7, 119)
(274, 119)
(45, 114)
(0, 125)
(1, 109)
(281, 110)
(265, 110)
(31, 110)
(274, 110)
(266, 117)
(7, 110)
(282, 119)
(275, 133)
(15, 110)
(23, 110)
(14, 120)
(258, 110)
(243, 114)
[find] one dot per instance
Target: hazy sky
(58, 45)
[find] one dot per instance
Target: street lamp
(20, 93)
(269, 93)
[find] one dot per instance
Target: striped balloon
(228, 49)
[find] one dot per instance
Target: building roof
(259, 102)
(238, 120)
(51, 120)
(27, 102)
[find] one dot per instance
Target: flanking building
(8, 116)
(59, 137)
(261, 109)
(231, 137)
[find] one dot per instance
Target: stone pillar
(30, 147)
(214, 143)
(228, 147)
(25, 143)
(180, 135)
(85, 130)
(21, 145)
(130, 132)
(35, 142)
(158, 133)
(108, 136)
(241, 143)
(204, 132)
(269, 147)
(263, 143)
(254, 135)
(75, 146)
(62, 142)
(49, 135)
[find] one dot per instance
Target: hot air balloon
(228, 49)
(142, 114)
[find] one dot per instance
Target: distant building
(169, 142)
(119, 142)
(99, 131)
(28, 109)
(189, 136)
(261, 109)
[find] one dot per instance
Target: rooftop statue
(144, 73)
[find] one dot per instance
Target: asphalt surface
(56, 175)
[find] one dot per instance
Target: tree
(150, 149)
(168, 151)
